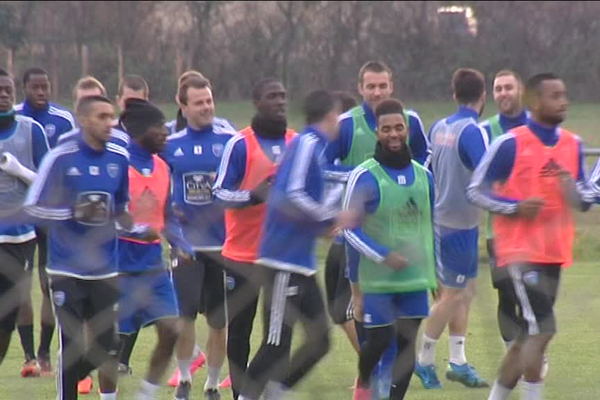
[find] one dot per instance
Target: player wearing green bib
(507, 91)
(395, 242)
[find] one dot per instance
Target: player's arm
(47, 199)
(12, 166)
(362, 196)
(338, 149)
(579, 193)
(303, 156)
(472, 146)
(496, 166)
(173, 231)
(418, 142)
(226, 190)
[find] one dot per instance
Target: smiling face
(375, 87)
(507, 95)
(392, 132)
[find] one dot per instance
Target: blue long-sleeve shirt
(419, 143)
(194, 157)
(140, 257)
(11, 230)
(227, 192)
(74, 175)
(298, 208)
(498, 164)
(55, 119)
(363, 194)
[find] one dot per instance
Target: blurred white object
(12, 166)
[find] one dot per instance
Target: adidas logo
(549, 169)
(73, 171)
(178, 152)
(409, 214)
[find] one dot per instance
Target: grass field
(573, 354)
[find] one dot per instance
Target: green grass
(573, 354)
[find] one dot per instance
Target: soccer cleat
(212, 394)
(226, 383)
(183, 391)
(125, 370)
(428, 376)
(361, 393)
(85, 385)
(465, 374)
(30, 369)
(197, 363)
(45, 366)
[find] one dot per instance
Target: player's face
(37, 91)
(507, 94)
(98, 121)
(200, 107)
(392, 132)
(553, 102)
(7, 94)
(155, 138)
(273, 103)
(375, 87)
(129, 93)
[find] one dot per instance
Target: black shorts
(337, 285)
(15, 259)
(535, 287)
(92, 301)
(200, 288)
(500, 277)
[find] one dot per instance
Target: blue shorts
(146, 298)
(381, 309)
(457, 254)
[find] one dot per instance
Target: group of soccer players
(242, 213)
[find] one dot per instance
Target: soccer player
(147, 289)
(523, 181)
(249, 162)
(56, 121)
(180, 121)
(356, 144)
(81, 190)
(508, 96)
(458, 144)
(297, 213)
(395, 241)
(90, 86)
(23, 144)
(194, 155)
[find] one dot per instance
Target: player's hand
(395, 261)
(260, 193)
(347, 219)
(9, 163)
(184, 256)
(530, 208)
(150, 236)
(357, 304)
(179, 214)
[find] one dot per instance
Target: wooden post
(10, 64)
(54, 72)
(85, 62)
(178, 62)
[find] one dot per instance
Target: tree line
(307, 44)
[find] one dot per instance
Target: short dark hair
(33, 71)
(3, 72)
(534, 83)
(317, 105)
(373, 66)
(389, 106)
(192, 82)
(133, 82)
(468, 85)
(259, 87)
(85, 103)
(346, 100)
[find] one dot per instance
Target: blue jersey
(140, 257)
(27, 140)
(55, 120)
(194, 158)
(298, 208)
(78, 193)
(363, 193)
(117, 137)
